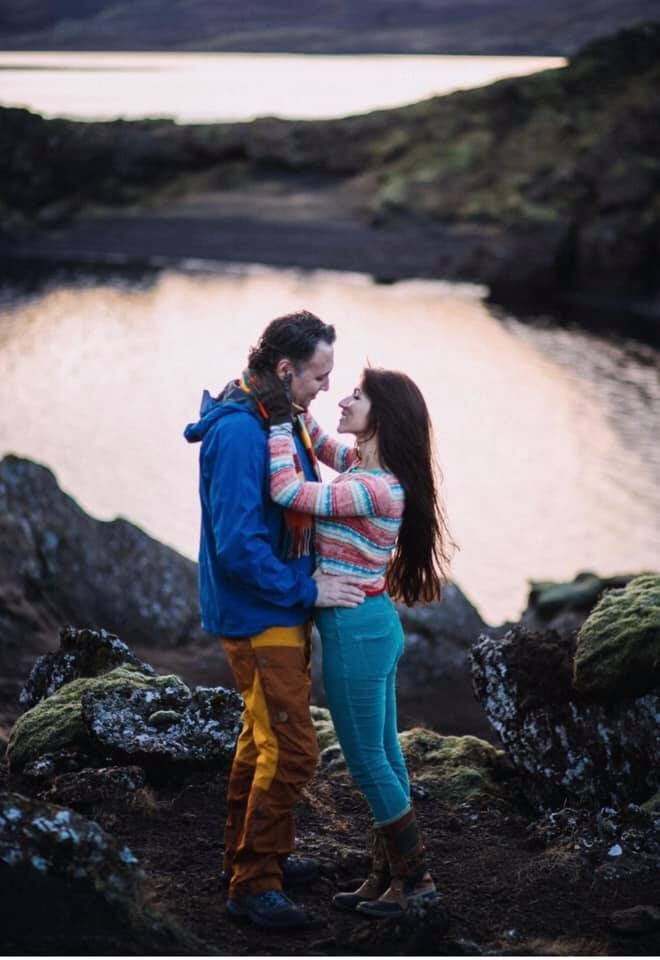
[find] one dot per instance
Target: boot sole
(237, 912)
(369, 908)
(349, 906)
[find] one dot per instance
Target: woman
(379, 521)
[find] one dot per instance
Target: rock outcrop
(451, 770)
(124, 714)
(565, 742)
(62, 876)
(618, 647)
(542, 187)
(58, 565)
(81, 653)
(565, 605)
(62, 566)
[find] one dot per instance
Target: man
(257, 593)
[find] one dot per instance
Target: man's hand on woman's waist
(337, 591)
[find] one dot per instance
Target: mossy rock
(325, 729)
(548, 597)
(652, 805)
(618, 649)
(56, 723)
(455, 769)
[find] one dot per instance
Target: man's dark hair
(294, 336)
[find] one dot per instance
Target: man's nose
(326, 384)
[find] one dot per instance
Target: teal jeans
(361, 651)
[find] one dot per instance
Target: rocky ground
(512, 884)
(543, 830)
(545, 188)
(514, 880)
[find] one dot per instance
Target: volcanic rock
(125, 712)
(88, 787)
(201, 730)
(62, 876)
(566, 745)
(58, 565)
(57, 723)
(640, 919)
(562, 606)
(452, 770)
(82, 653)
(618, 648)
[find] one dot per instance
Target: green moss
(455, 769)
(618, 648)
(56, 722)
(325, 730)
(652, 805)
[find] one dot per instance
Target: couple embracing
(280, 548)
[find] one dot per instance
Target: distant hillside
(558, 27)
(545, 187)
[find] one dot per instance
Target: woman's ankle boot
(411, 880)
(377, 881)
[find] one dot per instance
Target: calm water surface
(546, 437)
(214, 87)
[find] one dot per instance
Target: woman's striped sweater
(358, 513)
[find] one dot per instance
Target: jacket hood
(232, 399)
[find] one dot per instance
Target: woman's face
(354, 413)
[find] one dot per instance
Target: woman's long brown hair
(420, 563)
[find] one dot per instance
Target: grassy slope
(559, 172)
(517, 153)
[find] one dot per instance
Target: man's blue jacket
(244, 586)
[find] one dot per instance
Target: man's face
(313, 375)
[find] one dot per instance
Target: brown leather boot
(411, 880)
(377, 881)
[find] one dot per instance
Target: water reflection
(543, 475)
(214, 87)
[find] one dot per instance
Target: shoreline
(146, 241)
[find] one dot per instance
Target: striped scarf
(298, 527)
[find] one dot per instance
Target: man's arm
(234, 461)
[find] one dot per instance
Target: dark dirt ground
(515, 883)
(508, 890)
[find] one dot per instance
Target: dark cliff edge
(545, 188)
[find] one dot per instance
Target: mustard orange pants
(276, 754)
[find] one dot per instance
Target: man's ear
(283, 368)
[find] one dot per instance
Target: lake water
(215, 87)
(547, 437)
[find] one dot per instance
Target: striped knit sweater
(358, 513)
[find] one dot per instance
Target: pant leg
(275, 682)
(238, 789)
(360, 649)
(391, 731)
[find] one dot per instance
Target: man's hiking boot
(295, 870)
(270, 909)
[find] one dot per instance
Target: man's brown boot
(411, 881)
(377, 881)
